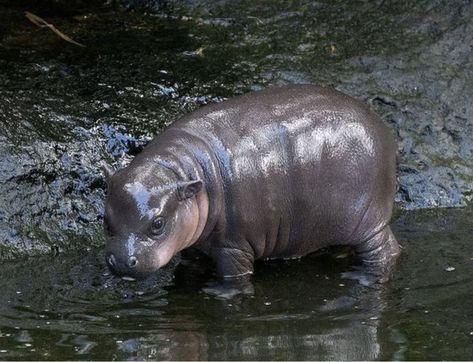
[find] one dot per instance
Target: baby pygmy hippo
(277, 173)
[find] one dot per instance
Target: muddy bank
(64, 109)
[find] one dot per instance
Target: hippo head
(150, 215)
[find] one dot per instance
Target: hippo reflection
(277, 173)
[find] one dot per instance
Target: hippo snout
(128, 266)
(113, 264)
(111, 261)
(132, 261)
(121, 264)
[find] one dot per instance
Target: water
(71, 308)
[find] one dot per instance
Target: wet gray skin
(278, 173)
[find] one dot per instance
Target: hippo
(275, 173)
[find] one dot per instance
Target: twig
(258, 20)
(36, 20)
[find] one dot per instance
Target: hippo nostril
(111, 260)
(132, 261)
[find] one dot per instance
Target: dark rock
(55, 190)
(64, 109)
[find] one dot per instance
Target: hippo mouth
(128, 267)
(139, 265)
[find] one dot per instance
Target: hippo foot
(364, 277)
(229, 288)
(378, 256)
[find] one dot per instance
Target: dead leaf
(200, 52)
(35, 19)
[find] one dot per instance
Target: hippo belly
(271, 174)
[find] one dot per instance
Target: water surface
(71, 308)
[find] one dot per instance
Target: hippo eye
(158, 226)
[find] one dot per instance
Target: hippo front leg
(378, 256)
(233, 263)
(234, 269)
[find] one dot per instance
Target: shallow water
(71, 308)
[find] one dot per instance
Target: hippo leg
(234, 269)
(233, 263)
(378, 256)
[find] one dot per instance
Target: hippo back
(301, 167)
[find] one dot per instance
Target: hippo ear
(107, 170)
(188, 189)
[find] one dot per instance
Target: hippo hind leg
(378, 256)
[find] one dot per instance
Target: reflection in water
(168, 345)
(82, 311)
(301, 310)
(308, 337)
(81, 344)
(352, 342)
(327, 333)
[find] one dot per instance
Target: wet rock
(425, 95)
(63, 109)
(53, 192)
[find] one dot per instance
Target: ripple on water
(301, 309)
